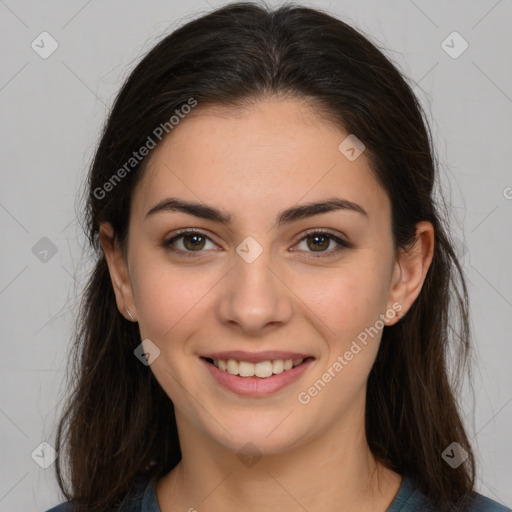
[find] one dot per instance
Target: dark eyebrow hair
(286, 216)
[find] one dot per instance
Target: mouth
(256, 374)
(262, 369)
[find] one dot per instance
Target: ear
(118, 269)
(410, 270)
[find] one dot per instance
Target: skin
(252, 163)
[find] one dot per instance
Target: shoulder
(63, 507)
(142, 498)
(411, 499)
(484, 504)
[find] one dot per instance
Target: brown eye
(317, 241)
(188, 243)
(193, 241)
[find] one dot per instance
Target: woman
(267, 322)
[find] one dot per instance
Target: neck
(335, 471)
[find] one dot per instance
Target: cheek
(346, 303)
(347, 312)
(171, 304)
(344, 300)
(169, 300)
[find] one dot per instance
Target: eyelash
(342, 244)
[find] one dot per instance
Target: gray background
(52, 111)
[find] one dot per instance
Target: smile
(262, 369)
(257, 377)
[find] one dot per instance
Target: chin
(256, 435)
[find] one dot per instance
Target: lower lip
(256, 386)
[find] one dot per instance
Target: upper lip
(256, 357)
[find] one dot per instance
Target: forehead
(256, 160)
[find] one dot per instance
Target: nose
(254, 297)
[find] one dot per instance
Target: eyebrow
(295, 213)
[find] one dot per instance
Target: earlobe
(118, 270)
(411, 270)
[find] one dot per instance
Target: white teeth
(232, 367)
(262, 369)
(245, 369)
(278, 366)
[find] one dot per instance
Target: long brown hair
(118, 423)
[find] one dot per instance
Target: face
(256, 284)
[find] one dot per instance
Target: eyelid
(167, 243)
(341, 242)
